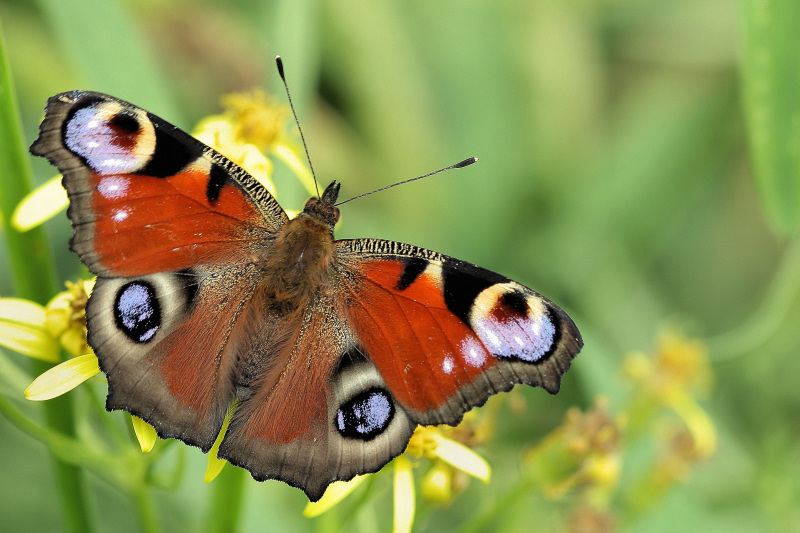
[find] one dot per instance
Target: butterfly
(208, 295)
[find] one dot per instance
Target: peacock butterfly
(207, 293)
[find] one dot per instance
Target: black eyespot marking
(463, 282)
(516, 301)
(365, 416)
(216, 181)
(411, 271)
(137, 312)
(125, 122)
(171, 155)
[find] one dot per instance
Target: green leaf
(772, 105)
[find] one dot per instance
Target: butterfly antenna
(279, 62)
(461, 164)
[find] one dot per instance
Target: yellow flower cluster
(586, 455)
(674, 378)
(426, 443)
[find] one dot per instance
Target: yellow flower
(665, 408)
(431, 443)
(66, 317)
(426, 442)
(252, 125)
(585, 452)
(36, 331)
(22, 328)
(258, 118)
(215, 464)
(674, 378)
(63, 378)
(64, 320)
(41, 204)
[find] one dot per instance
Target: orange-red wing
(145, 196)
(445, 334)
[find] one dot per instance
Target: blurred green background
(638, 165)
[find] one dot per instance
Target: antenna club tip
(279, 62)
(465, 163)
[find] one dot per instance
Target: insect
(207, 293)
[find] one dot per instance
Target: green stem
(227, 500)
(147, 510)
(34, 279)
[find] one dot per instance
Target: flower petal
(63, 378)
(336, 492)
(403, 495)
(214, 467)
(461, 457)
(31, 341)
(21, 311)
(215, 464)
(145, 433)
(58, 314)
(697, 420)
(437, 485)
(40, 205)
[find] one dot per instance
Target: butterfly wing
(145, 196)
(321, 414)
(170, 227)
(407, 336)
(445, 334)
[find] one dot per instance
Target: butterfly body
(207, 294)
(298, 264)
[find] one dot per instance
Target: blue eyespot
(366, 415)
(136, 311)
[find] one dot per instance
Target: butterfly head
(322, 208)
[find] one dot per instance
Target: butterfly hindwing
(322, 414)
(167, 347)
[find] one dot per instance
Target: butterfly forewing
(145, 196)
